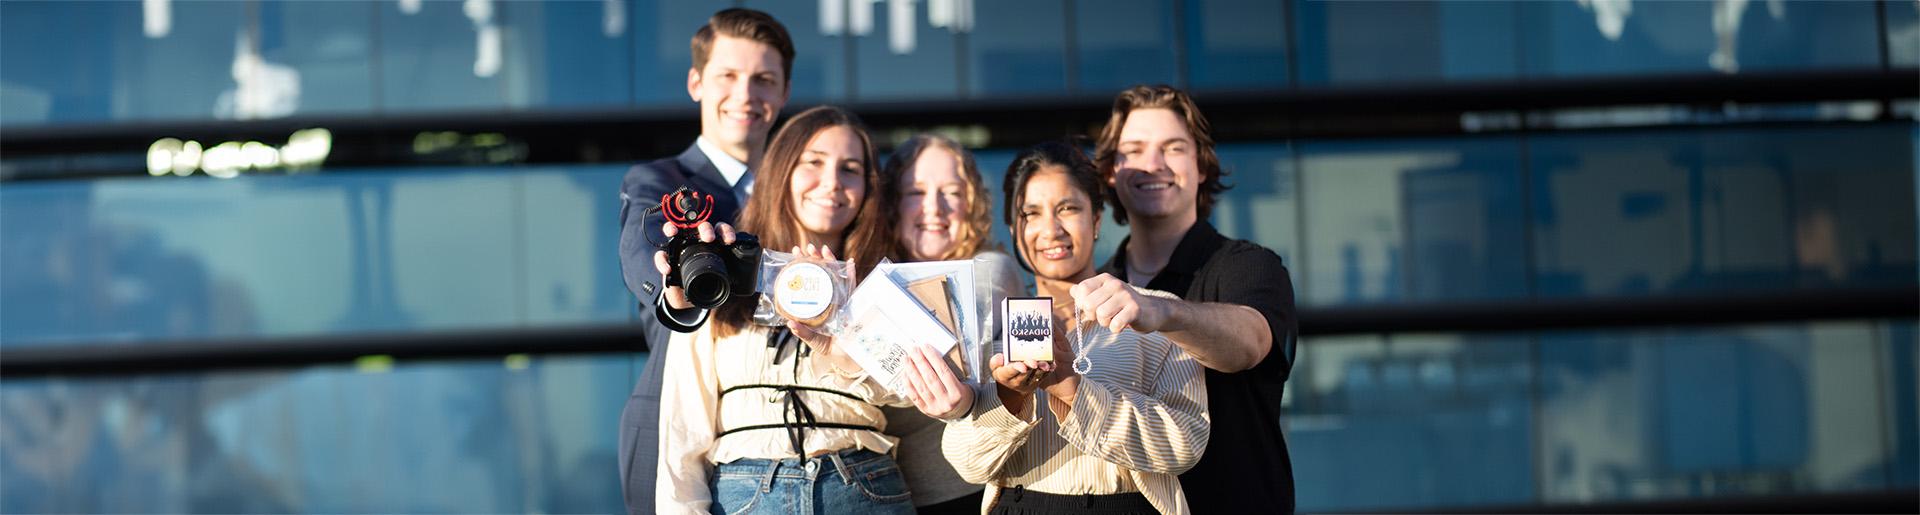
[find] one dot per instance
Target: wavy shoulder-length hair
(769, 213)
(973, 235)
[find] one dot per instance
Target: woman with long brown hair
(762, 418)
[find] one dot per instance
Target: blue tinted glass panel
(434, 56)
(1124, 42)
(1723, 210)
(1755, 411)
(471, 437)
(819, 46)
(575, 53)
(907, 49)
(326, 46)
(662, 36)
(1411, 421)
(1903, 33)
(1236, 44)
(183, 60)
(189, 72)
(1571, 39)
(1261, 207)
(142, 259)
(1017, 47)
(1412, 220)
(1361, 42)
(1903, 403)
(71, 82)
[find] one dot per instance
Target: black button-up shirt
(1246, 468)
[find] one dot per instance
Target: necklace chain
(1081, 364)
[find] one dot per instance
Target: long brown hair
(769, 212)
(1161, 97)
(979, 221)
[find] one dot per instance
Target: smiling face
(1156, 173)
(829, 183)
(933, 205)
(740, 90)
(1056, 226)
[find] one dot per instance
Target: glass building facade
(1511, 202)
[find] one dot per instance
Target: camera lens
(704, 276)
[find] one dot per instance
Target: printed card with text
(1029, 328)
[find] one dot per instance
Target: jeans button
(812, 466)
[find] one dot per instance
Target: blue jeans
(847, 481)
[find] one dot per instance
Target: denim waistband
(845, 463)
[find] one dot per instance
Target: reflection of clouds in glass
(261, 89)
(613, 18)
(1609, 15)
(156, 18)
(838, 16)
(486, 55)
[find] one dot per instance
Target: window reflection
(1236, 44)
(1411, 220)
(1121, 43)
(1017, 47)
(903, 54)
(1686, 413)
(1452, 412)
(1903, 33)
(140, 260)
(1722, 210)
(1363, 42)
(434, 437)
(1724, 36)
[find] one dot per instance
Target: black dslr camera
(709, 272)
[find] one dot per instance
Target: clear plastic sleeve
(805, 290)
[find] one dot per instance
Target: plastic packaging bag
(809, 291)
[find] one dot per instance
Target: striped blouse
(1138, 421)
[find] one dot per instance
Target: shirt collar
(730, 168)
(1193, 251)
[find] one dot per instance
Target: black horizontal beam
(110, 359)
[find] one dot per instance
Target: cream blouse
(1139, 419)
(693, 413)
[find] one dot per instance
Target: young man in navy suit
(742, 60)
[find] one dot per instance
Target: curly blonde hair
(974, 234)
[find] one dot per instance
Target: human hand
(1114, 304)
(1019, 377)
(932, 386)
(675, 295)
(1063, 383)
(820, 341)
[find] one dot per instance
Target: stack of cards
(1029, 328)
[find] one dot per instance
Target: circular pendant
(1082, 365)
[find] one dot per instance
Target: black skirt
(1021, 501)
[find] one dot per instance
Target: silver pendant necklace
(1081, 364)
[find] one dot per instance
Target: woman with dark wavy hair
(1109, 433)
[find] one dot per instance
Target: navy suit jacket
(641, 189)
